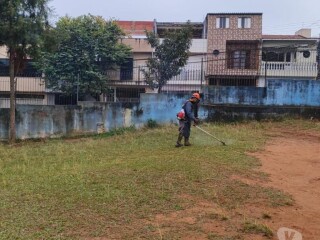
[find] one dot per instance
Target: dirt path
(293, 162)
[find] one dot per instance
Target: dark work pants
(184, 128)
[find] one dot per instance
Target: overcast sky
(279, 16)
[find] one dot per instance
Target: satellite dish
(216, 52)
(306, 54)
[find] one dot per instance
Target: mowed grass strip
(82, 188)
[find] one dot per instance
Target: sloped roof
(282, 37)
(135, 27)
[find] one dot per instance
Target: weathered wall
(235, 95)
(242, 112)
(293, 93)
(277, 93)
(280, 98)
(54, 121)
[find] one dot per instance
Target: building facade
(30, 87)
(288, 56)
(228, 49)
(234, 48)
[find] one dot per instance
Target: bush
(152, 123)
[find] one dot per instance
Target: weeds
(256, 228)
(152, 123)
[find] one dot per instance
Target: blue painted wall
(234, 95)
(54, 121)
(293, 93)
(278, 92)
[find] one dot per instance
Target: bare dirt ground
(292, 161)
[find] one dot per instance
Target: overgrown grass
(253, 227)
(86, 187)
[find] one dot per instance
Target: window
(278, 56)
(222, 22)
(28, 68)
(239, 59)
(244, 22)
(126, 70)
(242, 55)
(4, 67)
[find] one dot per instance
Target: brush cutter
(210, 135)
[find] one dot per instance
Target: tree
(170, 55)
(21, 24)
(85, 48)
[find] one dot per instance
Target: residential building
(289, 56)
(30, 87)
(234, 48)
(228, 49)
(191, 77)
(128, 81)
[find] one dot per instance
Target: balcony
(24, 84)
(138, 45)
(289, 69)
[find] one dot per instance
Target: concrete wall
(280, 98)
(293, 93)
(277, 93)
(54, 121)
(233, 95)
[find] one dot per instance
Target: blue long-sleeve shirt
(191, 111)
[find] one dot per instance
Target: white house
(289, 56)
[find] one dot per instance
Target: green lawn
(104, 186)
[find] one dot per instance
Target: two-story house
(240, 55)
(30, 87)
(234, 48)
(129, 80)
(289, 56)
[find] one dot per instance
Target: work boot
(179, 144)
(186, 142)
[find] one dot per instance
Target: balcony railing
(24, 84)
(289, 69)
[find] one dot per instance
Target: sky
(279, 16)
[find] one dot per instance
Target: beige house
(128, 80)
(30, 89)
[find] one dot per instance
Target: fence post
(139, 75)
(115, 94)
(201, 77)
(265, 72)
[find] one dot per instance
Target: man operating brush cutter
(187, 115)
